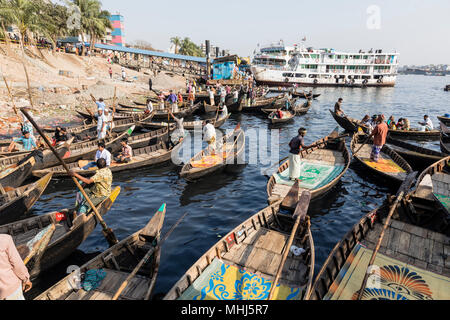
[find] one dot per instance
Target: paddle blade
(302, 206)
(291, 199)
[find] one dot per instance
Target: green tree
(189, 48)
(57, 17)
(177, 42)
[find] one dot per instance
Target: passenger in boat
(102, 153)
(60, 135)
(400, 124)
(26, 124)
(310, 95)
(127, 152)
(223, 94)
(367, 122)
(427, 124)
(211, 96)
(180, 99)
(223, 110)
(26, 143)
(191, 98)
(109, 122)
(179, 133)
(99, 190)
(391, 123)
(337, 107)
(279, 114)
(101, 124)
(209, 135)
(296, 145)
(172, 99)
(379, 135)
(235, 95)
(287, 105)
(14, 276)
(406, 124)
(149, 108)
(100, 104)
(161, 101)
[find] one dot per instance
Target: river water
(217, 204)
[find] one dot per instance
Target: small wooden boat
(418, 157)
(243, 265)
(209, 108)
(69, 233)
(322, 168)
(274, 106)
(415, 134)
(445, 139)
(303, 109)
(182, 112)
(444, 120)
(122, 125)
(205, 163)
(235, 107)
(87, 150)
(304, 95)
(390, 165)
(188, 125)
(434, 183)
(44, 158)
(287, 116)
(258, 104)
(348, 123)
(118, 262)
(15, 203)
(14, 174)
(410, 264)
(136, 116)
(148, 138)
(143, 157)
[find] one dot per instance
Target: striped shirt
(28, 144)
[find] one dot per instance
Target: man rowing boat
(297, 144)
(379, 135)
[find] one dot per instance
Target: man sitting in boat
(179, 133)
(60, 135)
(102, 153)
(209, 135)
(100, 187)
(400, 124)
(127, 152)
(279, 114)
(427, 125)
(337, 107)
(26, 143)
(287, 105)
(296, 145)
(379, 135)
(367, 122)
(223, 110)
(149, 109)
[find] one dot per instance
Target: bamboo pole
(12, 100)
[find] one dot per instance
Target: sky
(417, 29)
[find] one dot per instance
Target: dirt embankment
(62, 83)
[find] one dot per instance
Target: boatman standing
(211, 96)
(14, 276)
(101, 124)
(379, 135)
(297, 144)
(209, 135)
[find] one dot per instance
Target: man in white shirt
(101, 125)
(109, 122)
(427, 125)
(211, 97)
(223, 94)
(101, 153)
(224, 111)
(209, 135)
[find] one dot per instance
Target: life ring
(379, 80)
(315, 81)
(317, 60)
(365, 81)
(345, 60)
(286, 80)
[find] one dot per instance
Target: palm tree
(189, 48)
(57, 16)
(176, 41)
(99, 22)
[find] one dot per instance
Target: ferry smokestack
(208, 64)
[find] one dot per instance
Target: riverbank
(62, 83)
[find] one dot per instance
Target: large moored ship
(280, 65)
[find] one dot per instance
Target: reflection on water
(217, 204)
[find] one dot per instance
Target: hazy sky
(418, 29)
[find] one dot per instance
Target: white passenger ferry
(280, 65)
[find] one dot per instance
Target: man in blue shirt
(100, 104)
(26, 143)
(173, 101)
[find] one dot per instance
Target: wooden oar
(215, 119)
(114, 110)
(145, 259)
(364, 143)
(12, 100)
(107, 232)
(406, 185)
(299, 215)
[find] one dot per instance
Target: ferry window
(288, 75)
(306, 55)
(300, 75)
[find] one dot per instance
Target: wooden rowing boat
(118, 262)
(136, 116)
(434, 183)
(445, 138)
(87, 150)
(17, 202)
(407, 252)
(348, 123)
(391, 165)
(188, 125)
(14, 174)
(204, 163)
(274, 106)
(303, 109)
(143, 157)
(244, 263)
(444, 120)
(258, 104)
(69, 233)
(330, 157)
(182, 112)
(415, 134)
(287, 116)
(418, 157)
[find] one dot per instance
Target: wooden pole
(113, 111)
(403, 188)
(12, 100)
(299, 214)
(28, 84)
(107, 232)
(145, 259)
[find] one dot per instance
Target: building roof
(150, 53)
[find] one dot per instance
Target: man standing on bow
(379, 135)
